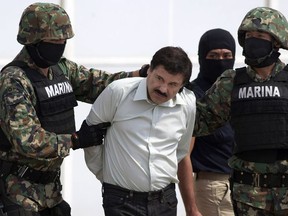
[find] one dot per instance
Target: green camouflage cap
(44, 21)
(267, 20)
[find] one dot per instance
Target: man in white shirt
(152, 120)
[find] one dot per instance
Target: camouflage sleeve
(88, 83)
(213, 109)
(21, 124)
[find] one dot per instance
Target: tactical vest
(55, 99)
(259, 112)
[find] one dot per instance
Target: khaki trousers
(212, 194)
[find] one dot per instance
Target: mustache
(161, 93)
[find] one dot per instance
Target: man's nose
(163, 88)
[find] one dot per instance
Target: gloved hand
(89, 135)
(143, 70)
(189, 86)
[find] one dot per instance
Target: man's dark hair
(175, 60)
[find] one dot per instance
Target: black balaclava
(45, 54)
(210, 69)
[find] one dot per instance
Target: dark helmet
(267, 20)
(44, 21)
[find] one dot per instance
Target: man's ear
(149, 71)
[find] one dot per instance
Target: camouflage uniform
(214, 109)
(31, 144)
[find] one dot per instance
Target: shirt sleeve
(94, 160)
(102, 110)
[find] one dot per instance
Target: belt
(213, 176)
(27, 173)
(144, 196)
(265, 180)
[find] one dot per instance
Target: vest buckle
(256, 179)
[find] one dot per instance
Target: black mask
(211, 69)
(46, 54)
(259, 52)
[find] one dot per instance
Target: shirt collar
(141, 94)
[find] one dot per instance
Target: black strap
(16, 63)
(264, 180)
(2, 194)
(27, 173)
(5, 144)
(57, 71)
(242, 77)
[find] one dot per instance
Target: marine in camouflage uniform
(34, 148)
(254, 99)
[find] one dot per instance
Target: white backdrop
(122, 35)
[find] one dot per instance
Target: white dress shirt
(145, 141)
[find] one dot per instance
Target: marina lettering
(259, 91)
(58, 89)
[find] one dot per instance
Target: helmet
(267, 20)
(44, 21)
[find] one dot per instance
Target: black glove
(188, 85)
(89, 135)
(143, 70)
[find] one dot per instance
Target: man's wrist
(130, 74)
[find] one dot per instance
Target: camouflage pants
(11, 209)
(255, 200)
(242, 209)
